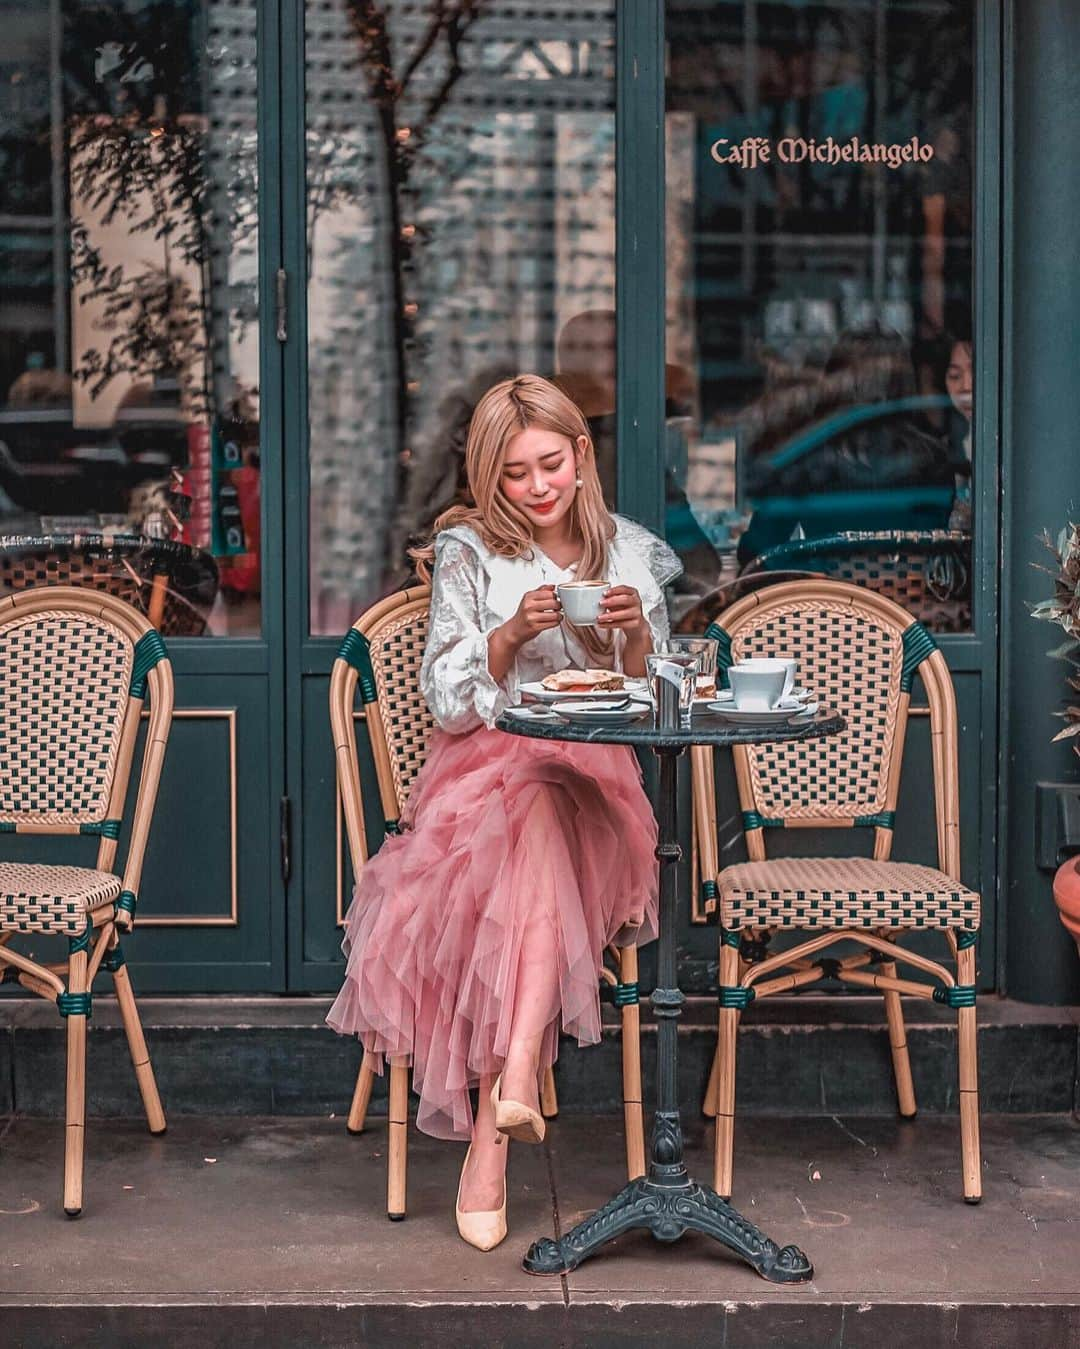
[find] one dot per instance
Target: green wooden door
(449, 216)
(827, 320)
(143, 399)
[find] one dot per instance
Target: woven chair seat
(833, 892)
(55, 899)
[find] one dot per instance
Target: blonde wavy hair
(512, 406)
(509, 407)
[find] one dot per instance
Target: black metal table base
(667, 1214)
(668, 1204)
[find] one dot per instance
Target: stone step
(266, 1233)
(346, 1321)
(798, 1056)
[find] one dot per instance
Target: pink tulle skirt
(500, 833)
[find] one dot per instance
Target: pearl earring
(578, 482)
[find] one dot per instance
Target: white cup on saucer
(791, 669)
(580, 600)
(758, 685)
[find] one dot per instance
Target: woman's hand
(539, 611)
(621, 608)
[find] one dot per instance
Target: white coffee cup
(758, 685)
(580, 600)
(791, 669)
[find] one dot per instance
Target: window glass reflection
(819, 297)
(460, 187)
(129, 441)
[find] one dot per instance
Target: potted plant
(1063, 608)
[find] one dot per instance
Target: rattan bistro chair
(860, 653)
(75, 669)
(381, 654)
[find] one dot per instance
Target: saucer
(789, 708)
(531, 712)
(796, 696)
(595, 713)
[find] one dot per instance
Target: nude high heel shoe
(516, 1120)
(484, 1229)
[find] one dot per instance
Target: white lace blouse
(474, 591)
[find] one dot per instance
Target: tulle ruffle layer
(509, 847)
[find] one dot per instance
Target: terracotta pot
(1067, 896)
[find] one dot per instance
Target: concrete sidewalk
(268, 1232)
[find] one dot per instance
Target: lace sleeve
(454, 675)
(664, 566)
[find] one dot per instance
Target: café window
(460, 172)
(819, 299)
(129, 354)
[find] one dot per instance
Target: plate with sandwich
(585, 685)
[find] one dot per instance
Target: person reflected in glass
(585, 353)
(960, 386)
(477, 933)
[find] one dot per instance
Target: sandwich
(583, 681)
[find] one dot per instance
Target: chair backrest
(75, 669)
(928, 573)
(381, 655)
(859, 652)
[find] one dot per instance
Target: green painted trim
(149, 651)
(8, 827)
(752, 820)
(81, 942)
(918, 646)
(391, 827)
(625, 995)
(722, 638)
(730, 937)
(884, 819)
(126, 902)
(104, 828)
(640, 427)
(735, 997)
(114, 960)
(994, 289)
(966, 938)
(960, 995)
(356, 650)
(74, 1004)
(710, 891)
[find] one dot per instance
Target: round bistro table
(666, 1202)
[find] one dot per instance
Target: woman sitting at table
(478, 932)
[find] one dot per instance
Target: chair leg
(398, 1145)
(365, 1080)
(724, 1099)
(633, 1118)
(969, 1083)
(708, 1105)
(140, 1055)
(901, 1060)
(549, 1098)
(75, 1111)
